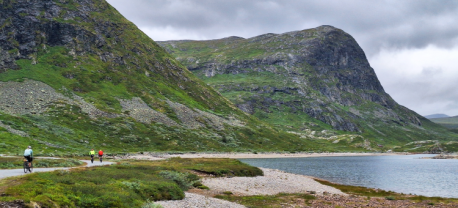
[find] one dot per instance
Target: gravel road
(18, 172)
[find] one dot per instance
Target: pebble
(198, 201)
(273, 182)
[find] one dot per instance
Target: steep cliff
(314, 79)
(75, 74)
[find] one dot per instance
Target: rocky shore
(275, 182)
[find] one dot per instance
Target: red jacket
(100, 152)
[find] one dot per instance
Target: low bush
(184, 180)
(390, 198)
(218, 167)
(203, 187)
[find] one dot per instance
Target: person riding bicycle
(100, 155)
(92, 154)
(28, 155)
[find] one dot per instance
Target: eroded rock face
(34, 97)
(312, 71)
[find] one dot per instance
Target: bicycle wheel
(25, 166)
(31, 167)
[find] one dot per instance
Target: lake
(403, 174)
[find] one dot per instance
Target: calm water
(403, 174)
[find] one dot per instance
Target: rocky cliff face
(304, 77)
(75, 74)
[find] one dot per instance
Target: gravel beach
(273, 182)
(199, 201)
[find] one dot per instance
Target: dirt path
(17, 172)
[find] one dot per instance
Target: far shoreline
(155, 156)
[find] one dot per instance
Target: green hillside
(449, 122)
(78, 75)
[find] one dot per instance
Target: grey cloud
(431, 71)
(375, 24)
(426, 96)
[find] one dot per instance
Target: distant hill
(449, 122)
(437, 116)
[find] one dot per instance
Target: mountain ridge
(312, 76)
(437, 115)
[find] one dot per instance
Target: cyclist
(92, 154)
(28, 155)
(100, 155)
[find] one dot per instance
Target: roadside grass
(389, 195)
(16, 162)
(127, 184)
(260, 201)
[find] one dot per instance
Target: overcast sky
(411, 44)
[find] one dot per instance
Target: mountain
(448, 122)
(307, 82)
(437, 116)
(75, 75)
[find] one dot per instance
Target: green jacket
(92, 152)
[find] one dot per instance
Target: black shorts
(100, 155)
(92, 156)
(29, 159)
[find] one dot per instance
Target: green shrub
(197, 184)
(184, 180)
(203, 187)
(390, 198)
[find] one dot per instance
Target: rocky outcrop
(321, 72)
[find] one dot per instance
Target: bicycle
(92, 158)
(27, 167)
(100, 158)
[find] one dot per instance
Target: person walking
(28, 155)
(92, 154)
(100, 155)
